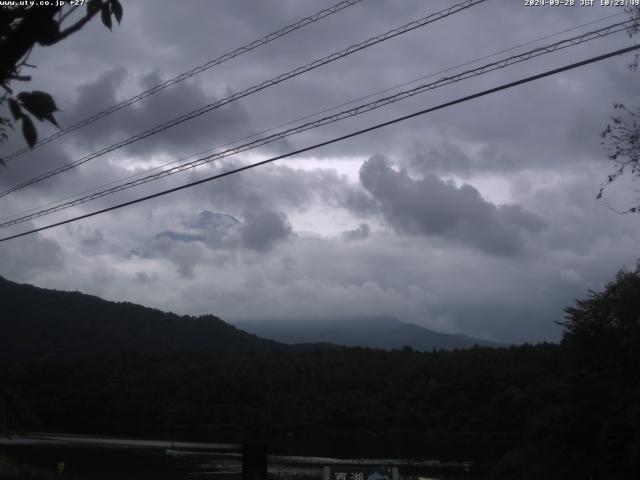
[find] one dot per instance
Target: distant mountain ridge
(40, 323)
(374, 332)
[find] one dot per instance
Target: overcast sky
(480, 218)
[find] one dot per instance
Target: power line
(615, 28)
(490, 67)
(256, 88)
(334, 140)
(194, 71)
(305, 117)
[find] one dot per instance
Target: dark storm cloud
(174, 39)
(179, 38)
(288, 188)
(42, 193)
(212, 128)
(263, 228)
(431, 206)
(31, 164)
(449, 158)
(95, 96)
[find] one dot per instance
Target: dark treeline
(462, 405)
(474, 404)
(543, 411)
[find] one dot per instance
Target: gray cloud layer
(431, 206)
(478, 219)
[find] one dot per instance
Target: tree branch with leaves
(621, 137)
(21, 29)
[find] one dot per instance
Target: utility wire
(256, 88)
(194, 71)
(334, 140)
(311, 115)
(536, 52)
(306, 117)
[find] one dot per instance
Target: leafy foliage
(10, 470)
(21, 28)
(39, 104)
(621, 137)
(604, 329)
(592, 430)
(14, 414)
(634, 14)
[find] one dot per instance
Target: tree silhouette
(15, 415)
(602, 332)
(601, 418)
(21, 29)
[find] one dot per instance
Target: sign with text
(360, 472)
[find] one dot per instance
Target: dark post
(254, 461)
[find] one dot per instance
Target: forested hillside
(543, 411)
(41, 323)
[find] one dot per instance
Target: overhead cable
(251, 90)
(311, 115)
(333, 140)
(490, 67)
(194, 71)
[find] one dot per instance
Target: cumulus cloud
(447, 158)
(201, 263)
(263, 228)
(432, 206)
(95, 96)
(214, 127)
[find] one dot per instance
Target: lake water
(108, 458)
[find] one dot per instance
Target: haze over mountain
(42, 323)
(377, 332)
